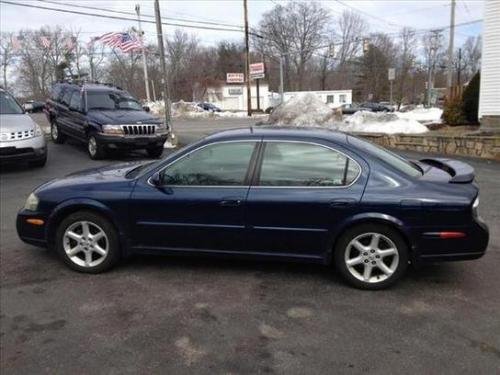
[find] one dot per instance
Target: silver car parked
(21, 139)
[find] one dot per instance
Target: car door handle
(343, 202)
(230, 202)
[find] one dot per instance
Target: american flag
(45, 41)
(123, 41)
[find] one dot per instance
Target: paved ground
(179, 316)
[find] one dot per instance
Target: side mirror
(155, 179)
(146, 108)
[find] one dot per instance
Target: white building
(333, 98)
(489, 94)
(233, 97)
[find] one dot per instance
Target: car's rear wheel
(87, 242)
(55, 133)
(155, 152)
(95, 149)
(371, 256)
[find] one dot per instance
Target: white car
(21, 139)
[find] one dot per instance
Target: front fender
(69, 206)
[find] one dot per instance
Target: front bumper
(30, 233)
(472, 246)
(131, 141)
(30, 149)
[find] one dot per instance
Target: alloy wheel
(85, 244)
(92, 146)
(371, 257)
(54, 131)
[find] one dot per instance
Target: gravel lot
(187, 315)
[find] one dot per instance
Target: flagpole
(144, 64)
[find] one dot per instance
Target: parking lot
(192, 315)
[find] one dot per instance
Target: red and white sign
(235, 78)
(256, 69)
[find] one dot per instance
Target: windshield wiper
(101, 108)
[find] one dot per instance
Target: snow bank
(303, 110)
(377, 122)
(422, 115)
(184, 109)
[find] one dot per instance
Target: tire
(155, 152)
(95, 150)
(40, 162)
(55, 133)
(75, 254)
(371, 256)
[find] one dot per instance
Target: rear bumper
(29, 233)
(472, 246)
(131, 142)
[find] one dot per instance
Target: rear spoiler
(460, 172)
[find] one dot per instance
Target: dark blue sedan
(268, 193)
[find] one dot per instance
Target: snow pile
(378, 122)
(303, 110)
(422, 115)
(184, 109)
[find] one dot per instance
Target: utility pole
(450, 47)
(154, 91)
(145, 67)
(247, 63)
(432, 55)
(459, 67)
(164, 84)
(282, 95)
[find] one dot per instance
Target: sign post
(391, 75)
(256, 73)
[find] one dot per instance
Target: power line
(119, 17)
(133, 14)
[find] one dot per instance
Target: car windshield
(8, 105)
(396, 161)
(111, 100)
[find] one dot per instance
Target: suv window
(111, 100)
(220, 164)
(305, 164)
(76, 101)
(66, 98)
(55, 92)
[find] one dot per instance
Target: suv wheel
(371, 256)
(56, 134)
(96, 151)
(155, 152)
(87, 242)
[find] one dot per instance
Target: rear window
(395, 161)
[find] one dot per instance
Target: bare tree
(7, 53)
(295, 31)
(471, 56)
(406, 60)
(351, 27)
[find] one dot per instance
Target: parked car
(21, 139)
(209, 107)
(375, 107)
(349, 109)
(266, 193)
(104, 117)
(33, 106)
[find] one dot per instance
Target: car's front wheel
(87, 242)
(55, 133)
(95, 149)
(371, 256)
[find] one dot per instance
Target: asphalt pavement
(189, 315)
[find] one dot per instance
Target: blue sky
(382, 15)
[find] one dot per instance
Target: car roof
(91, 86)
(284, 132)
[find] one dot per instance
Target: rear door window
(304, 164)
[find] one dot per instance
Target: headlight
(31, 203)
(38, 130)
(112, 129)
(475, 206)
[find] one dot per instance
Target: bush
(471, 99)
(453, 112)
